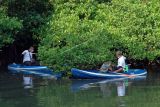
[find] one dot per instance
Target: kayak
(18, 67)
(33, 70)
(95, 74)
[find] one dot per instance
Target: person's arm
(24, 52)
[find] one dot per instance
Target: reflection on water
(27, 82)
(121, 91)
(121, 88)
(106, 90)
(30, 91)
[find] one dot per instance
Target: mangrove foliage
(85, 33)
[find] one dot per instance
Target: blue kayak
(95, 74)
(17, 67)
(33, 70)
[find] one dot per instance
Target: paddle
(130, 76)
(127, 75)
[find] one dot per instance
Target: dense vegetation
(9, 27)
(21, 20)
(34, 14)
(82, 33)
(85, 33)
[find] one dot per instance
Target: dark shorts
(27, 63)
(116, 68)
(119, 67)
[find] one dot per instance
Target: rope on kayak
(74, 47)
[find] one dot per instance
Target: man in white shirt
(28, 56)
(121, 62)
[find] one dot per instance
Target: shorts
(116, 68)
(27, 63)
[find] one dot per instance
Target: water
(27, 91)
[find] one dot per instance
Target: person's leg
(35, 63)
(110, 68)
(118, 68)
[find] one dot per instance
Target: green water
(41, 92)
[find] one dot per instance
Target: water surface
(28, 91)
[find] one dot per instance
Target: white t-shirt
(121, 62)
(27, 56)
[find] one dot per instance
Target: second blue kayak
(94, 74)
